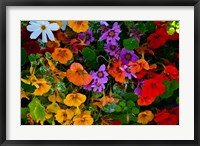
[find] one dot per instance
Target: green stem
(100, 56)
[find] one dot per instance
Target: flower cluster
(100, 72)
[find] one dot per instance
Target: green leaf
(37, 111)
(170, 86)
(129, 23)
(141, 27)
(135, 110)
(51, 120)
(43, 70)
(130, 96)
(96, 94)
(130, 104)
(48, 55)
(61, 86)
(27, 87)
(150, 27)
(177, 100)
(100, 45)
(110, 107)
(92, 108)
(88, 54)
(32, 57)
(50, 79)
(23, 56)
(24, 112)
(122, 103)
(118, 89)
(130, 43)
(118, 108)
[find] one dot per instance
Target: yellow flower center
(98, 84)
(43, 27)
(128, 56)
(112, 47)
(111, 33)
(100, 74)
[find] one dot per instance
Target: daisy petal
(35, 34)
(33, 27)
(50, 34)
(53, 26)
(44, 37)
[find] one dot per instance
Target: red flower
(153, 88)
(174, 37)
(31, 47)
(51, 50)
(158, 38)
(161, 24)
(171, 73)
(115, 122)
(145, 100)
(169, 117)
(25, 34)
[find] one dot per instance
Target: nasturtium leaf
(96, 94)
(100, 45)
(135, 110)
(32, 57)
(48, 55)
(141, 27)
(61, 86)
(93, 64)
(41, 60)
(23, 56)
(27, 87)
(39, 112)
(130, 104)
(123, 118)
(130, 43)
(32, 105)
(130, 96)
(118, 108)
(122, 103)
(51, 121)
(24, 112)
(50, 78)
(133, 118)
(118, 89)
(62, 95)
(44, 69)
(110, 107)
(88, 54)
(116, 96)
(170, 86)
(92, 108)
(150, 27)
(129, 23)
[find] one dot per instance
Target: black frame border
(5, 3)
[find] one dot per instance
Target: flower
(64, 25)
(53, 44)
(145, 100)
(83, 119)
(112, 34)
(89, 86)
(138, 89)
(101, 102)
(127, 56)
(128, 73)
(145, 117)
(171, 72)
(77, 75)
(74, 99)
(78, 26)
(169, 117)
(97, 86)
(153, 88)
(86, 37)
(31, 47)
(139, 65)
(101, 74)
(158, 38)
(111, 48)
(40, 84)
(55, 97)
(136, 34)
(62, 55)
(116, 71)
(103, 26)
(44, 27)
(64, 116)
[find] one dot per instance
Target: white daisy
(44, 27)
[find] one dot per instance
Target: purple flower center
(128, 56)
(100, 74)
(117, 52)
(112, 47)
(111, 33)
(98, 84)
(87, 37)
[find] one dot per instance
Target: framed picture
(99, 72)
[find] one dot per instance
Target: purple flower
(101, 74)
(127, 56)
(136, 34)
(138, 88)
(112, 34)
(111, 48)
(103, 26)
(87, 37)
(128, 73)
(98, 86)
(89, 86)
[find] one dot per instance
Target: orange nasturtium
(77, 75)
(145, 117)
(83, 119)
(62, 55)
(64, 116)
(78, 26)
(74, 99)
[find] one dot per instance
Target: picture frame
(3, 73)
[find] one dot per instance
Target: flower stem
(100, 56)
